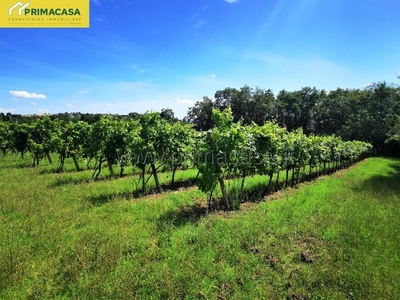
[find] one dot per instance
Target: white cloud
(34, 103)
(300, 67)
(212, 75)
(199, 23)
(109, 105)
(7, 110)
(69, 105)
(295, 72)
(185, 101)
(232, 1)
(43, 110)
(82, 92)
(138, 68)
(27, 95)
(196, 15)
(366, 86)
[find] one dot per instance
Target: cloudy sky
(147, 55)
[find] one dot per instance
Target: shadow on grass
(181, 216)
(191, 214)
(395, 166)
(253, 194)
(104, 198)
(18, 165)
(70, 180)
(383, 184)
(56, 170)
(61, 181)
(166, 187)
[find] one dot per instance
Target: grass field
(65, 237)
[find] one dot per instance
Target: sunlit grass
(63, 237)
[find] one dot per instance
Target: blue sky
(148, 55)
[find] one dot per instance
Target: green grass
(65, 238)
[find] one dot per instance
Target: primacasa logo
(43, 11)
(23, 6)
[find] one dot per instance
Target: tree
(155, 140)
(221, 153)
(181, 147)
(110, 138)
(168, 115)
(382, 104)
(20, 137)
(200, 114)
(43, 137)
(224, 99)
(393, 143)
(268, 156)
(295, 109)
(5, 138)
(72, 142)
(331, 111)
(288, 109)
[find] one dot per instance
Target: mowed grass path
(334, 238)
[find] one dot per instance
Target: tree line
(370, 114)
(90, 118)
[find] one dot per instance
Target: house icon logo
(21, 8)
(44, 14)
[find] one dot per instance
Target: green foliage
(111, 139)
(200, 114)
(5, 137)
(230, 149)
(361, 114)
(20, 137)
(73, 141)
(43, 138)
(222, 152)
(335, 238)
(270, 149)
(396, 131)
